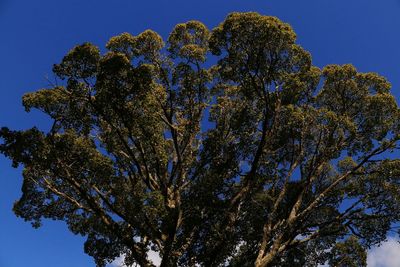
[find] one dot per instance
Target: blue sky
(36, 34)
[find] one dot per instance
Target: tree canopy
(215, 148)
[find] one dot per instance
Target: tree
(223, 147)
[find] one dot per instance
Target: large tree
(218, 148)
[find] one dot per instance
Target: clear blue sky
(36, 34)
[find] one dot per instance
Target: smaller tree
(348, 254)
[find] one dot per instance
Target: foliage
(260, 159)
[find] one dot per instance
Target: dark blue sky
(36, 34)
